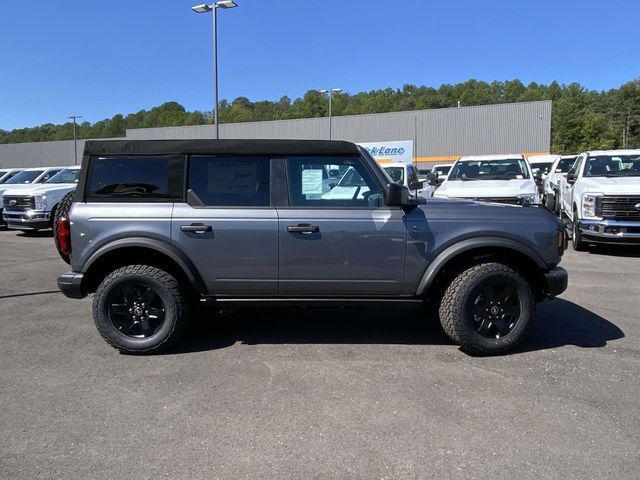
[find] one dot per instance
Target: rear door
(227, 225)
(344, 241)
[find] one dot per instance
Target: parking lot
(319, 393)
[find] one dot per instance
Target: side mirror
(572, 177)
(538, 175)
(433, 178)
(397, 195)
(416, 185)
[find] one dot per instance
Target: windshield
(396, 174)
(65, 176)
(613, 166)
(26, 176)
(544, 166)
(565, 164)
(442, 170)
(502, 169)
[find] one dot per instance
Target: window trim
(175, 181)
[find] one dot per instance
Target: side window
(576, 164)
(134, 178)
(310, 187)
(228, 181)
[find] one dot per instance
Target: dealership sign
(394, 151)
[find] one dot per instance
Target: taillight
(64, 236)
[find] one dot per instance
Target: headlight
(40, 202)
(589, 201)
(528, 198)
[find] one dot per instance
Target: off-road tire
(576, 237)
(550, 201)
(62, 211)
(166, 287)
(458, 323)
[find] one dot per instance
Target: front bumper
(27, 220)
(70, 284)
(556, 281)
(610, 231)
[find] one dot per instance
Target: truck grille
(509, 200)
(18, 203)
(618, 207)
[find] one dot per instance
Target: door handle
(303, 228)
(196, 228)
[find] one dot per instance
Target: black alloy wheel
(495, 306)
(136, 310)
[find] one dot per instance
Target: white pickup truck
(407, 175)
(32, 207)
(600, 197)
(491, 178)
(551, 182)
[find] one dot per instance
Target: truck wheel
(140, 309)
(576, 240)
(487, 309)
(557, 206)
(550, 201)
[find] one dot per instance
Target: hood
(611, 185)
(38, 189)
(486, 188)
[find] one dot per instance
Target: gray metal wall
(508, 128)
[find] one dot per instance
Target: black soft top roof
(219, 147)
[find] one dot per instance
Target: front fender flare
(470, 244)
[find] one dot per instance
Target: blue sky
(102, 57)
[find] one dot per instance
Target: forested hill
(582, 119)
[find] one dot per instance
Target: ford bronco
(155, 226)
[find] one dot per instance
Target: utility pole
(330, 92)
(75, 140)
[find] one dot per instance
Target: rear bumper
(70, 284)
(610, 231)
(556, 281)
(29, 219)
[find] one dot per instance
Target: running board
(313, 301)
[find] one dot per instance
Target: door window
(230, 181)
(311, 186)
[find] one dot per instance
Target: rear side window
(131, 178)
(227, 181)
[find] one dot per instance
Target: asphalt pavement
(319, 393)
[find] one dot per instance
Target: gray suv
(156, 226)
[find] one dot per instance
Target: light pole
(330, 92)
(75, 146)
(204, 8)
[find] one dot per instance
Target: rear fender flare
(161, 247)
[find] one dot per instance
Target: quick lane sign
(393, 151)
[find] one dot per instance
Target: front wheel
(487, 309)
(140, 309)
(577, 241)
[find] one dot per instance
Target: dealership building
(426, 136)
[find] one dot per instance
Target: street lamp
(330, 92)
(75, 146)
(214, 9)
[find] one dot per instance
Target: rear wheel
(550, 201)
(61, 211)
(487, 309)
(140, 309)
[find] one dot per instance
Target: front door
(227, 226)
(340, 241)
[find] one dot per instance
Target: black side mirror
(397, 195)
(539, 174)
(416, 185)
(572, 177)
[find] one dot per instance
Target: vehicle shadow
(557, 324)
(616, 250)
(35, 234)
